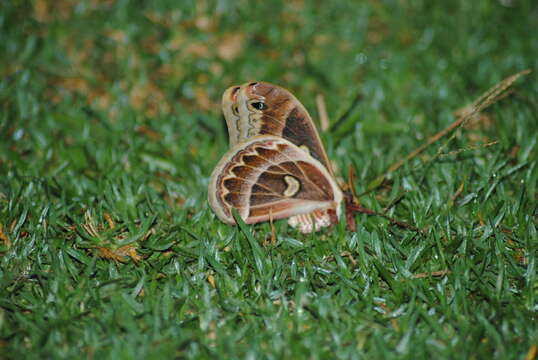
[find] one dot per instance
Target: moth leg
(313, 221)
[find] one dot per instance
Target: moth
(276, 166)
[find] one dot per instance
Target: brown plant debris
(211, 281)
(431, 274)
(109, 220)
(4, 237)
(120, 254)
(458, 192)
(488, 98)
(533, 351)
(147, 131)
(108, 250)
(322, 112)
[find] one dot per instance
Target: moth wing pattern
(261, 108)
(267, 177)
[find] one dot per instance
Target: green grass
(110, 109)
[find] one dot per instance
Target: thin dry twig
(322, 111)
(361, 209)
(487, 99)
(458, 192)
(394, 202)
(432, 274)
(356, 100)
(469, 148)
(351, 180)
(353, 206)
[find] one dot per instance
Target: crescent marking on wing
(302, 171)
(293, 186)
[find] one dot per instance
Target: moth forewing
(268, 109)
(267, 177)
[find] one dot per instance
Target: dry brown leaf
(348, 255)
(41, 10)
(394, 321)
(109, 220)
(532, 353)
(117, 35)
(131, 252)
(432, 274)
(177, 41)
(149, 98)
(45, 11)
(203, 101)
(119, 254)
(377, 30)
(4, 237)
(206, 23)
(197, 49)
(520, 256)
(147, 131)
(158, 18)
(193, 150)
(165, 71)
(211, 280)
(108, 254)
(514, 151)
(231, 46)
(174, 200)
(151, 45)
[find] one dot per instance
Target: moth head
(230, 109)
(229, 102)
(262, 98)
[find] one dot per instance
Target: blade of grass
(257, 252)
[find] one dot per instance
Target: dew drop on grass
(18, 134)
(361, 58)
(383, 64)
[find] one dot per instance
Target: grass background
(110, 126)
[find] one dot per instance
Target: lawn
(110, 125)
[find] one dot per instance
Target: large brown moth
(277, 166)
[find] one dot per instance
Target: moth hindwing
(268, 177)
